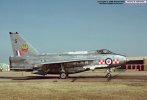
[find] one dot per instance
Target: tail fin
(20, 46)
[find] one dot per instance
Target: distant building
(137, 63)
(4, 67)
(137, 58)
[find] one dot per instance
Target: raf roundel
(108, 61)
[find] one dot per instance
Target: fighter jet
(27, 58)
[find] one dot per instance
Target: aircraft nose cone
(127, 59)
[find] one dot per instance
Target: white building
(4, 67)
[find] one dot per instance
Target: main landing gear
(63, 74)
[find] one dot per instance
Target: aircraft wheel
(63, 75)
(108, 75)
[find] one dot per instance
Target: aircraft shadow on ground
(47, 77)
(74, 78)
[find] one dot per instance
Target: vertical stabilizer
(20, 46)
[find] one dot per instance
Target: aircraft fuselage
(79, 63)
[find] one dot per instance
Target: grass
(55, 89)
(72, 91)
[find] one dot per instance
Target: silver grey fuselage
(76, 64)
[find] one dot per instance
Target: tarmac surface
(96, 76)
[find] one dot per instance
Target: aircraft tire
(108, 75)
(63, 75)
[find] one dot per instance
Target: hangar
(136, 63)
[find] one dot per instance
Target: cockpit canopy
(104, 51)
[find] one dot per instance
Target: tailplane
(20, 46)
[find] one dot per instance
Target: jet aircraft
(27, 58)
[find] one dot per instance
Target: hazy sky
(70, 25)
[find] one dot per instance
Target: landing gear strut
(108, 75)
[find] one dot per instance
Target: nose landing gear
(108, 75)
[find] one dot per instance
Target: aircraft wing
(63, 61)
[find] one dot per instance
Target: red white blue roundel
(108, 61)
